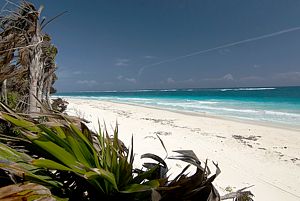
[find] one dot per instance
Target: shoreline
(225, 118)
(247, 153)
(278, 125)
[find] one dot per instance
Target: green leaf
(21, 123)
(79, 149)
(49, 164)
(20, 164)
(97, 172)
(54, 137)
(59, 131)
(61, 154)
(144, 175)
(88, 143)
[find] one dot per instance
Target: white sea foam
(282, 113)
(218, 108)
(139, 90)
(168, 90)
(248, 89)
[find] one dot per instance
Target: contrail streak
(141, 70)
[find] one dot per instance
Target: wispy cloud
(87, 82)
(190, 80)
(120, 77)
(170, 80)
(227, 45)
(122, 62)
(149, 57)
(132, 80)
(256, 66)
(227, 77)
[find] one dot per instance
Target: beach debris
(239, 195)
(245, 140)
(295, 159)
(59, 104)
(150, 137)
(161, 121)
(162, 133)
(250, 137)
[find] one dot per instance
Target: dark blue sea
(279, 105)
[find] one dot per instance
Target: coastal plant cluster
(48, 155)
(63, 160)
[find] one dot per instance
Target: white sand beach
(267, 157)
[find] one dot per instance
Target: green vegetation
(12, 99)
(75, 163)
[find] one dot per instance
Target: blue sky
(103, 45)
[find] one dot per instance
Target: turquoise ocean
(277, 105)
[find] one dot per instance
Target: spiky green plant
(68, 154)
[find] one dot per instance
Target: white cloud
(122, 62)
(228, 77)
(128, 79)
(189, 80)
(120, 77)
(170, 80)
(87, 82)
(149, 57)
(132, 80)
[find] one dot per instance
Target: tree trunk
(4, 91)
(48, 86)
(35, 71)
(40, 91)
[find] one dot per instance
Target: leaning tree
(27, 56)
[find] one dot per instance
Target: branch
(32, 45)
(57, 16)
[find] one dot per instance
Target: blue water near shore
(279, 105)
